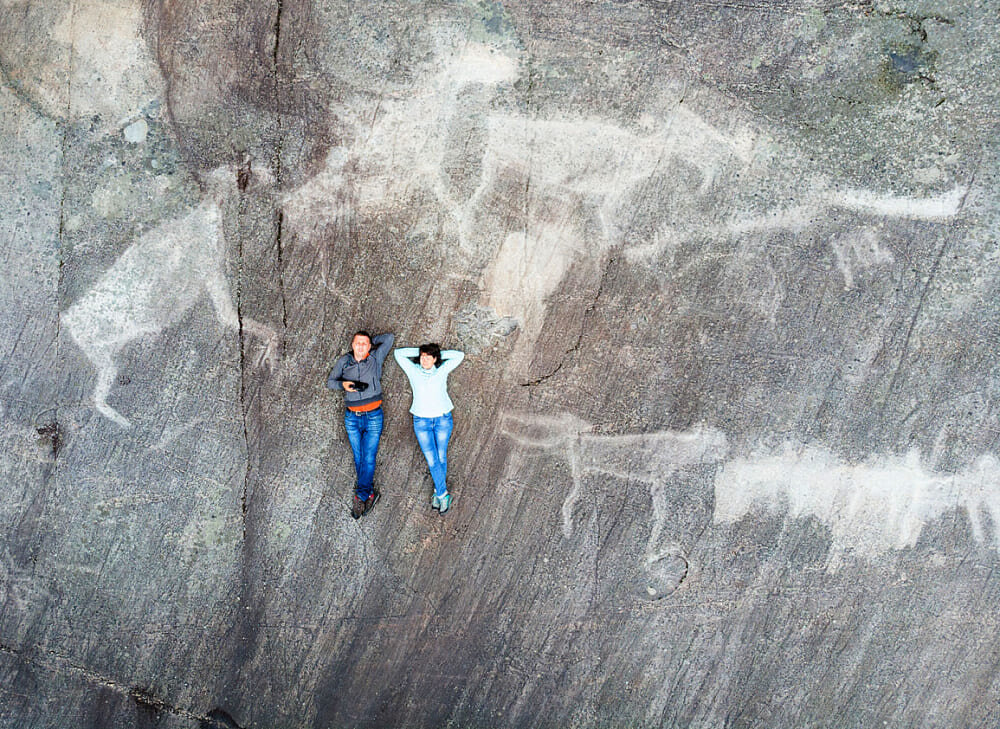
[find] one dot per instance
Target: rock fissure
(539, 380)
(278, 176)
(57, 663)
(244, 405)
(277, 35)
(916, 21)
(579, 339)
(280, 255)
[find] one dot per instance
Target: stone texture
(726, 446)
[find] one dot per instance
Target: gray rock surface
(727, 435)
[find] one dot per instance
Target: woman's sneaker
(444, 502)
(435, 502)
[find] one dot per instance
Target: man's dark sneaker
(357, 507)
(372, 500)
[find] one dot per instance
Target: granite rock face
(727, 435)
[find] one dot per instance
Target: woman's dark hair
(434, 350)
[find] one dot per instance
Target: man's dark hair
(434, 350)
(361, 333)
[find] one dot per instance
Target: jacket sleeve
(450, 359)
(402, 355)
(383, 343)
(335, 374)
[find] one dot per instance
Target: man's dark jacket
(368, 370)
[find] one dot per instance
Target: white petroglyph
(601, 162)
(402, 147)
(854, 250)
(581, 179)
(870, 508)
(591, 170)
(860, 249)
(820, 202)
(651, 458)
(938, 207)
(795, 218)
(112, 73)
(154, 282)
(526, 269)
(405, 147)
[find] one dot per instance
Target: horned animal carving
(583, 181)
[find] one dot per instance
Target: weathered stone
(726, 447)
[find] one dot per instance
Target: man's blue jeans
(364, 431)
(433, 435)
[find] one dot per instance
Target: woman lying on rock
(427, 369)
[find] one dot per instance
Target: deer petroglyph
(650, 458)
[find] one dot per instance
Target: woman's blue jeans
(364, 431)
(433, 435)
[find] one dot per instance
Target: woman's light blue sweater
(430, 387)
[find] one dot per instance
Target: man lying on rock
(359, 375)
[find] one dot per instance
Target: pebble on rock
(135, 133)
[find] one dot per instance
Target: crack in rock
(56, 663)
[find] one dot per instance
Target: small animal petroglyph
(154, 282)
(820, 201)
(858, 250)
(854, 249)
(651, 458)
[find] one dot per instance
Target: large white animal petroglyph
(154, 282)
(870, 508)
(650, 458)
(581, 180)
